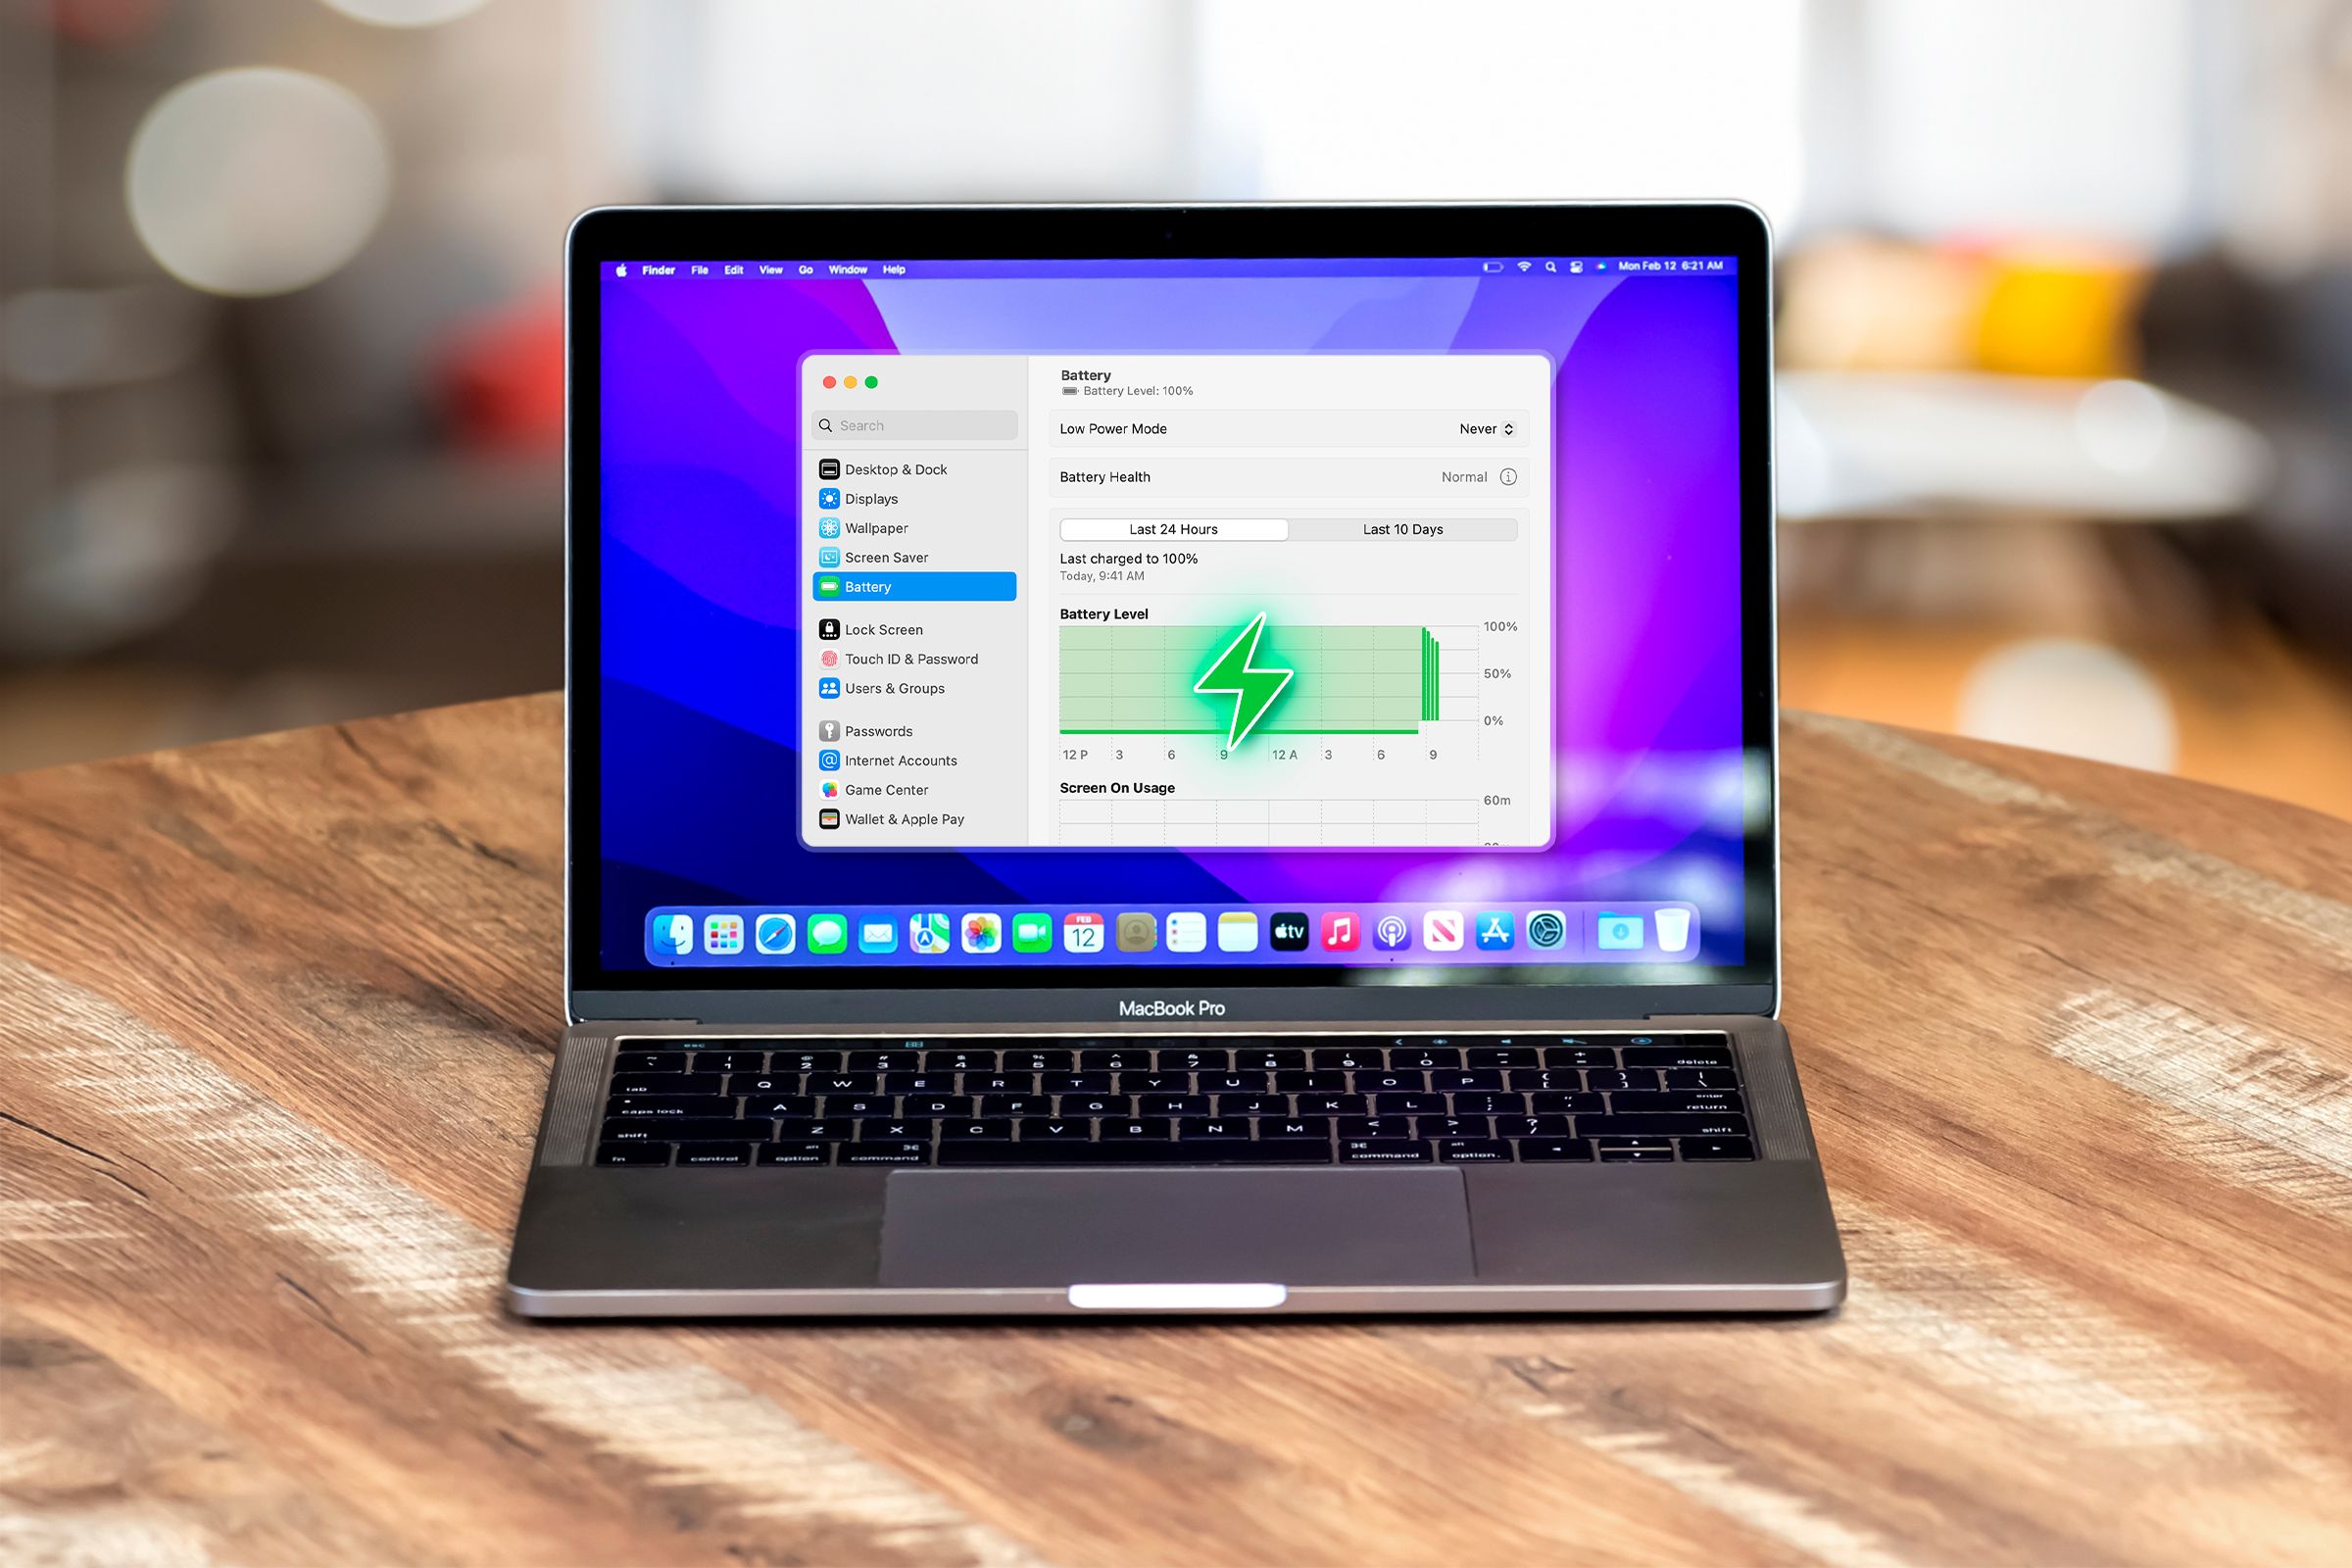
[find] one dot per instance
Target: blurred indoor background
(2065, 309)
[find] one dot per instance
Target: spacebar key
(1236, 1151)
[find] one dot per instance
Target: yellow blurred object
(2033, 308)
(2053, 313)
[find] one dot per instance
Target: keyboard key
(1137, 1152)
(1079, 1083)
(635, 1062)
(1661, 1127)
(1454, 1127)
(935, 1105)
(1645, 1078)
(884, 1061)
(1360, 1127)
(842, 1083)
(1156, 1083)
(1640, 1100)
(1417, 1059)
(893, 1130)
(1117, 1128)
(1383, 1150)
(804, 1062)
(959, 1061)
(1470, 1150)
(1700, 1078)
(1414, 1105)
(1236, 1082)
(715, 1154)
(860, 1106)
(1054, 1130)
(1171, 1105)
(929, 1081)
(1194, 1060)
(1566, 1104)
(670, 1107)
(801, 1153)
(635, 1132)
(1295, 1129)
(1036, 1061)
(1718, 1149)
(1334, 1106)
(1504, 1056)
(763, 1083)
(730, 1062)
(967, 1131)
(812, 1130)
(1268, 1058)
(1678, 1056)
(1477, 1079)
(1210, 1130)
(1544, 1080)
(1391, 1082)
(897, 1153)
(1012, 1105)
(1634, 1151)
(1534, 1127)
(704, 1129)
(1000, 1083)
(633, 1085)
(645, 1153)
(779, 1106)
(1580, 1056)
(1321, 1080)
(1348, 1058)
(1488, 1105)
(1554, 1149)
(1115, 1058)
(1253, 1104)
(1097, 1105)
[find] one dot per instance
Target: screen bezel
(1077, 233)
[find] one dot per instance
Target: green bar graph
(1349, 681)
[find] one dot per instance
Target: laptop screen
(982, 622)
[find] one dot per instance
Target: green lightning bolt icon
(1252, 686)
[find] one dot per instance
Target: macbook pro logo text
(1162, 1008)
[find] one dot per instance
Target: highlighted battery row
(919, 587)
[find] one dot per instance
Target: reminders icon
(1237, 931)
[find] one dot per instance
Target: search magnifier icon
(1551, 267)
(824, 424)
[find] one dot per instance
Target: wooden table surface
(276, 1016)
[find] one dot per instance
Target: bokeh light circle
(257, 181)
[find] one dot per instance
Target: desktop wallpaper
(703, 583)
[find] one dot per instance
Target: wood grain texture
(275, 1018)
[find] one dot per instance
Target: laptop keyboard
(1296, 1100)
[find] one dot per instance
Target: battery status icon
(1489, 267)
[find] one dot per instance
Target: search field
(916, 425)
(1292, 427)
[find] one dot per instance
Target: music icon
(1342, 931)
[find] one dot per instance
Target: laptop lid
(1180, 615)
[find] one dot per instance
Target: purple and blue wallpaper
(700, 583)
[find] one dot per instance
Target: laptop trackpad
(1011, 1228)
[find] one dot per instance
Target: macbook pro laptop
(1190, 759)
